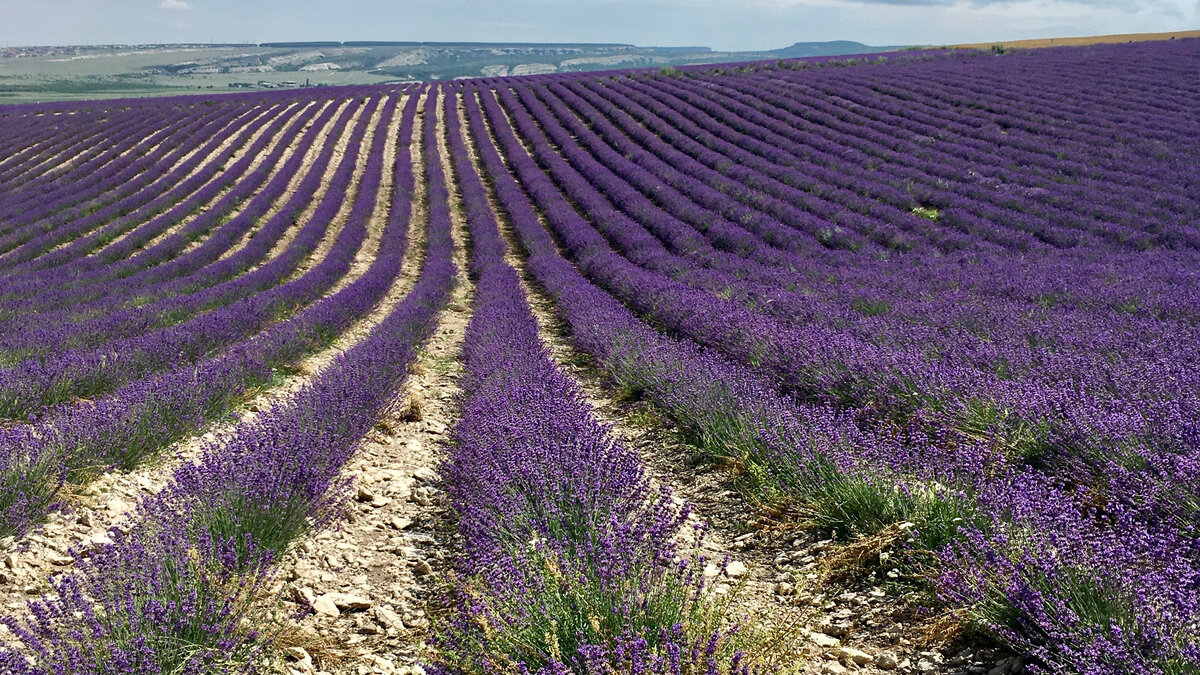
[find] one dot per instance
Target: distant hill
(801, 50)
(49, 73)
(80, 72)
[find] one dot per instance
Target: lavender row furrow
(37, 383)
(112, 187)
(43, 146)
(186, 180)
(1002, 510)
(82, 325)
(944, 302)
(1054, 194)
(530, 463)
(226, 518)
(150, 270)
(63, 198)
(1051, 370)
(84, 152)
(121, 191)
(143, 417)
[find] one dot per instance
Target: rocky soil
(369, 586)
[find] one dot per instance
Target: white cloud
(174, 4)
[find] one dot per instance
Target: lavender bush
(573, 561)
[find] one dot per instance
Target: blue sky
(737, 25)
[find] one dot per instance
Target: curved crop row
(33, 384)
(1118, 403)
(167, 267)
(822, 360)
(112, 316)
(569, 551)
(173, 592)
(945, 299)
(146, 415)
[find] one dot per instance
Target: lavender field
(876, 364)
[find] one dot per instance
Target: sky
(724, 26)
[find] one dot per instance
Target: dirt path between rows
(330, 236)
(281, 201)
(63, 161)
(370, 582)
(750, 574)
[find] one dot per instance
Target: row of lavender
(1027, 395)
(47, 380)
(1052, 392)
(63, 204)
(181, 588)
(162, 371)
(74, 268)
(70, 265)
(164, 275)
(104, 196)
(572, 560)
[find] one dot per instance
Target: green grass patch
(929, 212)
(1127, 306)
(869, 308)
(438, 362)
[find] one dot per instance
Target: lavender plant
(573, 561)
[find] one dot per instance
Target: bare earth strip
(252, 116)
(254, 113)
(749, 577)
(61, 161)
(290, 233)
(281, 201)
(370, 246)
(155, 185)
(44, 553)
(327, 241)
(212, 156)
(236, 156)
(15, 158)
(342, 144)
(369, 581)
